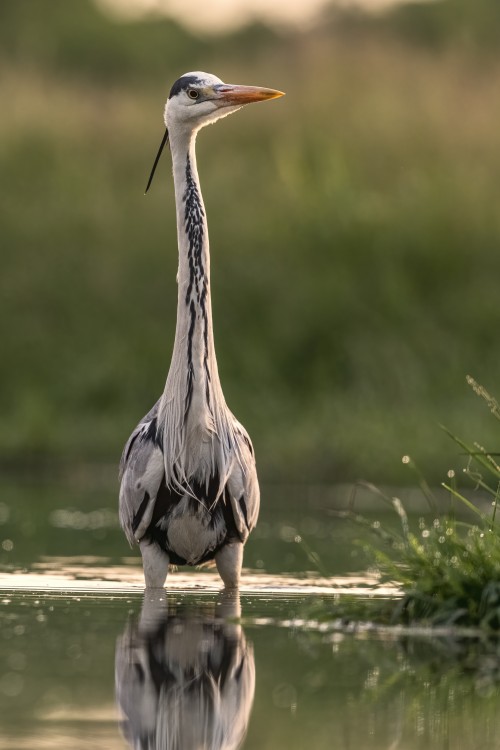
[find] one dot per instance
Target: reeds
(448, 567)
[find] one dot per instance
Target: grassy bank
(447, 566)
(354, 230)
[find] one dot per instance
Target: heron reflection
(185, 677)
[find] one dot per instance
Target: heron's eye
(193, 94)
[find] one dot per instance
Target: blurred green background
(354, 226)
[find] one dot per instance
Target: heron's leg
(228, 561)
(155, 563)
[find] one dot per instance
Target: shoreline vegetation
(447, 567)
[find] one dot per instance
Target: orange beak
(229, 95)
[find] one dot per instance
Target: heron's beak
(229, 95)
(164, 140)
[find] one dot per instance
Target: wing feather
(243, 487)
(141, 473)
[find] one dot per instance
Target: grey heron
(189, 491)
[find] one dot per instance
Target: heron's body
(189, 489)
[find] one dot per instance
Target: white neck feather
(198, 427)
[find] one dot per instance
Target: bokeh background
(355, 229)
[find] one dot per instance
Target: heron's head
(198, 99)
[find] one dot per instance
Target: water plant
(448, 563)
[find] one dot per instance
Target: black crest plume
(164, 140)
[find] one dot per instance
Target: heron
(189, 492)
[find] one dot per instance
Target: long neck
(193, 370)
(199, 432)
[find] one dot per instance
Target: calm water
(85, 662)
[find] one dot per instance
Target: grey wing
(243, 486)
(141, 473)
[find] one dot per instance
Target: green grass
(448, 568)
(354, 231)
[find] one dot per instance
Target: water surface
(86, 662)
